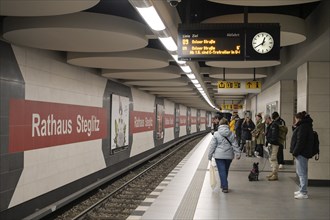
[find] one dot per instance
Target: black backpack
(316, 146)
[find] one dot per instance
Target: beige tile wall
(313, 96)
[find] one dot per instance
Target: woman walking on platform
(223, 148)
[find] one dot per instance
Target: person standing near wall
(247, 127)
(273, 145)
(216, 121)
(302, 149)
(259, 136)
(280, 156)
(238, 131)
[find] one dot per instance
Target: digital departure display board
(229, 42)
(211, 42)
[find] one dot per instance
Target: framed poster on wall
(159, 121)
(271, 107)
(119, 122)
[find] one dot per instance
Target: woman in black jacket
(301, 148)
(247, 127)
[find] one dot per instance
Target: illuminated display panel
(228, 42)
(211, 42)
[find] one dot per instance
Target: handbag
(213, 180)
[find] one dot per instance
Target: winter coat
(303, 138)
(272, 132)
(219, 147)
(246, 130)
(259, 133)
(238, 127)
(232, 125)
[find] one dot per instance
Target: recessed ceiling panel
(243, 64)
(170, 72)
(293, 30)
(164, 89)
(262, 2)
(175, 94)
(79, 32)
(43, 7)
(168, 83)
(145, 58)
(237, 76)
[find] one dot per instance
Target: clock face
(262, 42)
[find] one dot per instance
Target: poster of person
(177, 121)
(198, 120)
(188, 120)
(159, 121)
(209, 120)
(119, 121)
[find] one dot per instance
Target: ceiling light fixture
(191, 76)
(168, 43)
(152, 18)
(195, 81)
(176, 58)
(186, 68)
(149, 13)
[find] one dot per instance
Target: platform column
(313, 95)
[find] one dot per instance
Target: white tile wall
(49, 78)
(142, 142)
(148, 101)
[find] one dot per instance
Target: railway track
(118, 199)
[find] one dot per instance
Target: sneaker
(270, 175)
(296, 193)
(301, 196)
(225, 190)
(256, 153)
(281, 166)
(273, 178)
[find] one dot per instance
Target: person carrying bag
(223, 148)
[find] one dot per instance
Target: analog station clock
(262, 42)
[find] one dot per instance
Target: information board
(229, 42)
(211, 42)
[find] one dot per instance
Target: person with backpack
(272, 143)
(282, 136)
(302, 142)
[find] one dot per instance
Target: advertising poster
(159, 121)
(119, 122)
(188, 120)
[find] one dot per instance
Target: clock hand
(262, 43)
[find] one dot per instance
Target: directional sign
(253, 85)
(227, 87)
(231, 106)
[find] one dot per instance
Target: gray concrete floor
(189, 193)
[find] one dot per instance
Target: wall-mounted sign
(227, 87)
(211, 42)
(229, 42)
(231, 106)
(229, 84)
(253, 85)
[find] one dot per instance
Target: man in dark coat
(302, 149)
(280, 155)
(272, 132)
